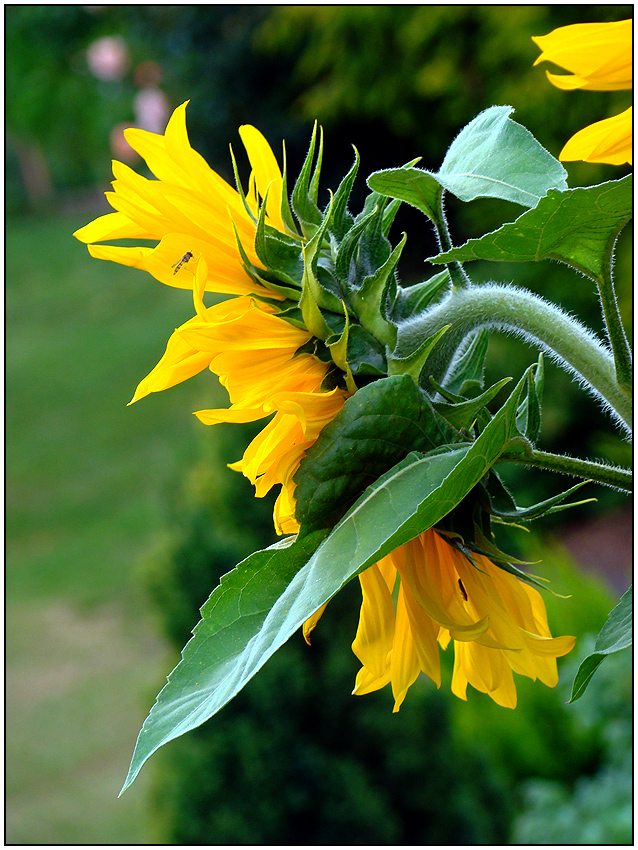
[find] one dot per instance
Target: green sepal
(616, 634)
(373, 247)
(313, 189)
(508, 564)
(313, 295)
(263, 276)
(366, 355)
(293, 315)
(306, 210)
(240, 189)
(389, 214)
(461, 414)
(414, 363)
(528, 417)
(370, 299)
(347, 248)
(513, 513)
(279, 253)
(286, 212)
(339, 352)
(341, 219)
(317, 348)
(412, 300)
(467, 370)
(312, 316)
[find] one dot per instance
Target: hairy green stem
(612, 476)
(458, 275)
(521, 313)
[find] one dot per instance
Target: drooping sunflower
(599, 57)
(497, 623)
(206, 233)
(191, 210)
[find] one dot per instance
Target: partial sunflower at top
(599, 57)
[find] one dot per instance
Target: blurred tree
(58, 114)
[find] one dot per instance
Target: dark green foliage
(215, 523)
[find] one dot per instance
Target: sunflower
(599, 57)
(206, 233)
(497, 623)
(191, 210)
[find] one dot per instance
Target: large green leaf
(238, 632)
(375, 429)
(577, 227)
(492, 157)
(215, 663)
(615, 635)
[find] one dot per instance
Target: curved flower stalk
(599, 57)
(497, 623)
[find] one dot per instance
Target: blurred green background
(121, 520)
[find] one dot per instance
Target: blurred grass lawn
(86, 481)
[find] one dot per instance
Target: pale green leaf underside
(492, 157)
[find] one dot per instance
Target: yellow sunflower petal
(111, 226)
(266, 171)
(598, 54)
(608, 141)
(311, 623)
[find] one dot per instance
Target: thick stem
(612, 476)
(526, 315)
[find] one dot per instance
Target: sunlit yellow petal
(599, 55)
(134, 257)
(607, 141)
(111, 226)
(404, 662)
(375, 632)
(266, 171)
(311, 623)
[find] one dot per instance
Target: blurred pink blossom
(108, 58)
(152, 109)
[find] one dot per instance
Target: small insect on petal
(177, 266)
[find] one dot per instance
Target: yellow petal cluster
(426, 594)
(599, 57)
(254, 353)
(194, 213)
(189, 208)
